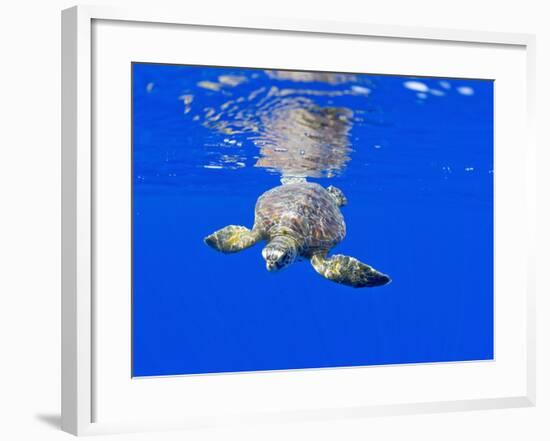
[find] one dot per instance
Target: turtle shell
(304, 210)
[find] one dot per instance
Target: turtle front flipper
(348, 271)
(232, 238)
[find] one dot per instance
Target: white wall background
(30, 218)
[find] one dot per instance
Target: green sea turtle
(300, 220)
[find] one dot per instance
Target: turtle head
(280, 252)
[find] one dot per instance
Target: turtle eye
(286, 259)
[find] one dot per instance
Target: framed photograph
(271, 220)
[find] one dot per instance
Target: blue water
(414, 157)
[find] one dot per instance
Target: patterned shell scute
(304, 209)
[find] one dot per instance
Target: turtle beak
(270, 259)
(271, 265)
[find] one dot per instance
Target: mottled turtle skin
(300, 220)
(305, 211)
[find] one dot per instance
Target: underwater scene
(293, 219)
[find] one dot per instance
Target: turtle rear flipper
(348, 271)
(233, 238)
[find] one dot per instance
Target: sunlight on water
(293, 124)
(465, 90)
(295, 136)
(311, 77)
(416, 86)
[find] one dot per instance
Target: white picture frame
(79, 202)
